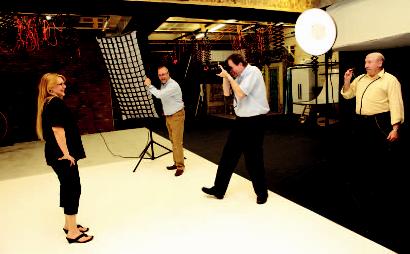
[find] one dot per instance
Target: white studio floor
(151, 210)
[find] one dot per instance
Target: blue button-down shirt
(170, 95)
(252, 84)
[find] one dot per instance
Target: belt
(365, 116)
(379, 116)
(176, 112)
(244, 118)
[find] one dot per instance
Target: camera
(213, 68)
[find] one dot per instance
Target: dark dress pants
(372, 150)
(246, 136)
(370, 177)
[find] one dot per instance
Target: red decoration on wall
(27, 35)
(36, 32)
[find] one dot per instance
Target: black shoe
(212, 191)
(77, 239)
(82, 229)
(172, 167)
(261, 200)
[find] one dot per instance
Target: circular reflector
(315, 31)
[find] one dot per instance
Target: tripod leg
(150, 145)
(142, 156)
(162, 146)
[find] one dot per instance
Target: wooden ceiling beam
(276, 5)
(209, 22)
(188, 31)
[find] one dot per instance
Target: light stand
(328, 55)
(151, 145)
(315, 69)
(315, 32)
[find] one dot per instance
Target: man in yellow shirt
(377, 92)
(371, 157)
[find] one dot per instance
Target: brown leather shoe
(179, 172)
(172, 167)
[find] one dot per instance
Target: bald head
(377, 55)
(374, 63)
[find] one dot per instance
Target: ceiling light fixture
(248, 27)
(215, 28)
(219, 26)
(199, 36)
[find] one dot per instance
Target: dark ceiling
(146, 16)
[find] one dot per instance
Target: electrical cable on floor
(118, 155)
(3, 126)
(105, 142)
(88, 104)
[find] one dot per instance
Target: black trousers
(70, 186)
(372, 149)
(246, 136)
(371, 168)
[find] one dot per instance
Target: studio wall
(88, 92)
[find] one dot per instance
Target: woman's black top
(57, 114)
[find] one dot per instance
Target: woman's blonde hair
(48, 81)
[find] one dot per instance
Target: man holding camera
(246, 136)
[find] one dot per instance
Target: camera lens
(213, 68)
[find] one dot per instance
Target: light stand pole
(327, 111)
(315, 32)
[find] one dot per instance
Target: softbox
(122, 57)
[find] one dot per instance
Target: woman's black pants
(70, 186)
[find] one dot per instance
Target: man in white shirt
(173, 106)
(246, 136)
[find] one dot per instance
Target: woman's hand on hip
(68, 157)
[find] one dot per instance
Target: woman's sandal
(78, 226)
(77, 239)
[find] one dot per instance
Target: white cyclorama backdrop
(371, 24)
(122, 57)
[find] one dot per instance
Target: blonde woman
(63, 148)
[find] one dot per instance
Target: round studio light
(315, 31)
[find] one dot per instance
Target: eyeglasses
(162, 74)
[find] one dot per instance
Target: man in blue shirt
(246, 136)
(173, 106)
